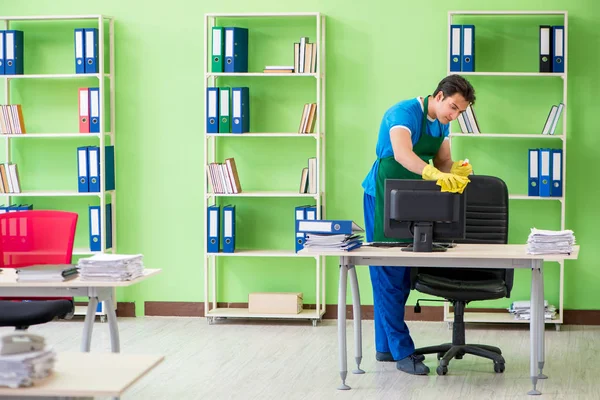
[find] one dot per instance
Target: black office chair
(21, 315)
(486, 223)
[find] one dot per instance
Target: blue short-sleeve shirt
(407, 114)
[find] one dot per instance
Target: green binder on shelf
(218, 48)
(224, 110)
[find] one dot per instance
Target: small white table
(87, 375)
(96, 291)
(463, 255)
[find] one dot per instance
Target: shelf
(526, 197)
(53, 17)
(507, 135)
(53, 193)
(511, 74)
(494, 317)
(243, 313)
(49, 135)
(243, 15)
(512, 13)
(53, 76)
(260, 253)
(263, 194)
(267, 135)
(217, 74)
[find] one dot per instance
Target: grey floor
(252, 359)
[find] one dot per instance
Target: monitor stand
(422, 239)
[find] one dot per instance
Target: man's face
(450, 108)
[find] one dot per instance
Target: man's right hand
(448, 182)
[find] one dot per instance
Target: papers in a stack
(332, 242)
(550, 242)
(111, 267)
(47, 273)
(522, 310)
(19, 365)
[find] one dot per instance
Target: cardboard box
(275, 303)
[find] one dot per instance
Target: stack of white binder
(24, 359)
(550, 242)
(111, 267)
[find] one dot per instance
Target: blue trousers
(391, 287)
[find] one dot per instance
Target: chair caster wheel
(439, 356)
(499, 367)
(441, 370)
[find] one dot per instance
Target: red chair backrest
(36, 237)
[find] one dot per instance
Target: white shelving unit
(507, 317)
(211, 310)
(5, 22)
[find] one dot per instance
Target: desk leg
(342, 325)
(357, 318)
(115, 344)
(534, 326)
(88, 324)
(542, 321)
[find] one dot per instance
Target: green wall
(377, 54)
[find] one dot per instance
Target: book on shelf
(9, 176)
(11, 119)
(468, 121)
(305, 56)
(309, 117)
(308, 178)
(552, 120)
(224, 178)
(278, 69)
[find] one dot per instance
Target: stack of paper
(111, 267)
(22, 366)
(47, 273)
(550, 242)
(522, 310)
(333, 242)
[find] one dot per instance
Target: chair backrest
(36, 237)
(486, 223)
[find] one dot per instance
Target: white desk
(96, 291)
(88, 375)
(464, 255)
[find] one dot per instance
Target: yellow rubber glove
(461, 168)
(448, 182)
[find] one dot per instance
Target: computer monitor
(418, 210)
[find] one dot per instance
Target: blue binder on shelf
(94, 104)
(91, 50)
(533, 173)
(344, 227)
(300, 214)
(229, 229)
(558, 44)
(455, 47)
(2, 41)
(468, 48)
(556, 168)
(240, 113)
(93, 168)
(79, 51)
(13, 52)
(213, 229)
(545, 174)
(95, 227)
(212, 110)
(82, 170)
(236, 49)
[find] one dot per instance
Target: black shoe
(387, 357)
(411, 365)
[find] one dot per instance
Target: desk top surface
(103, 374)
(8, 278)
(474, 251)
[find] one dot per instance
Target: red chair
(35, 237)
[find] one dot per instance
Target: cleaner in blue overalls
(412, 133)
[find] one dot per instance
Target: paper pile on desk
(23, 367)
(47, 273)
(522, 310)
(550, 242)
(343, 242)
(111, 267)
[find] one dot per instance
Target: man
(413, 132)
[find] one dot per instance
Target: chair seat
(23, 314)
(465, 290)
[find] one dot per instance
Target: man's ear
(439, 96)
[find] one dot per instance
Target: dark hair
(456, 84)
